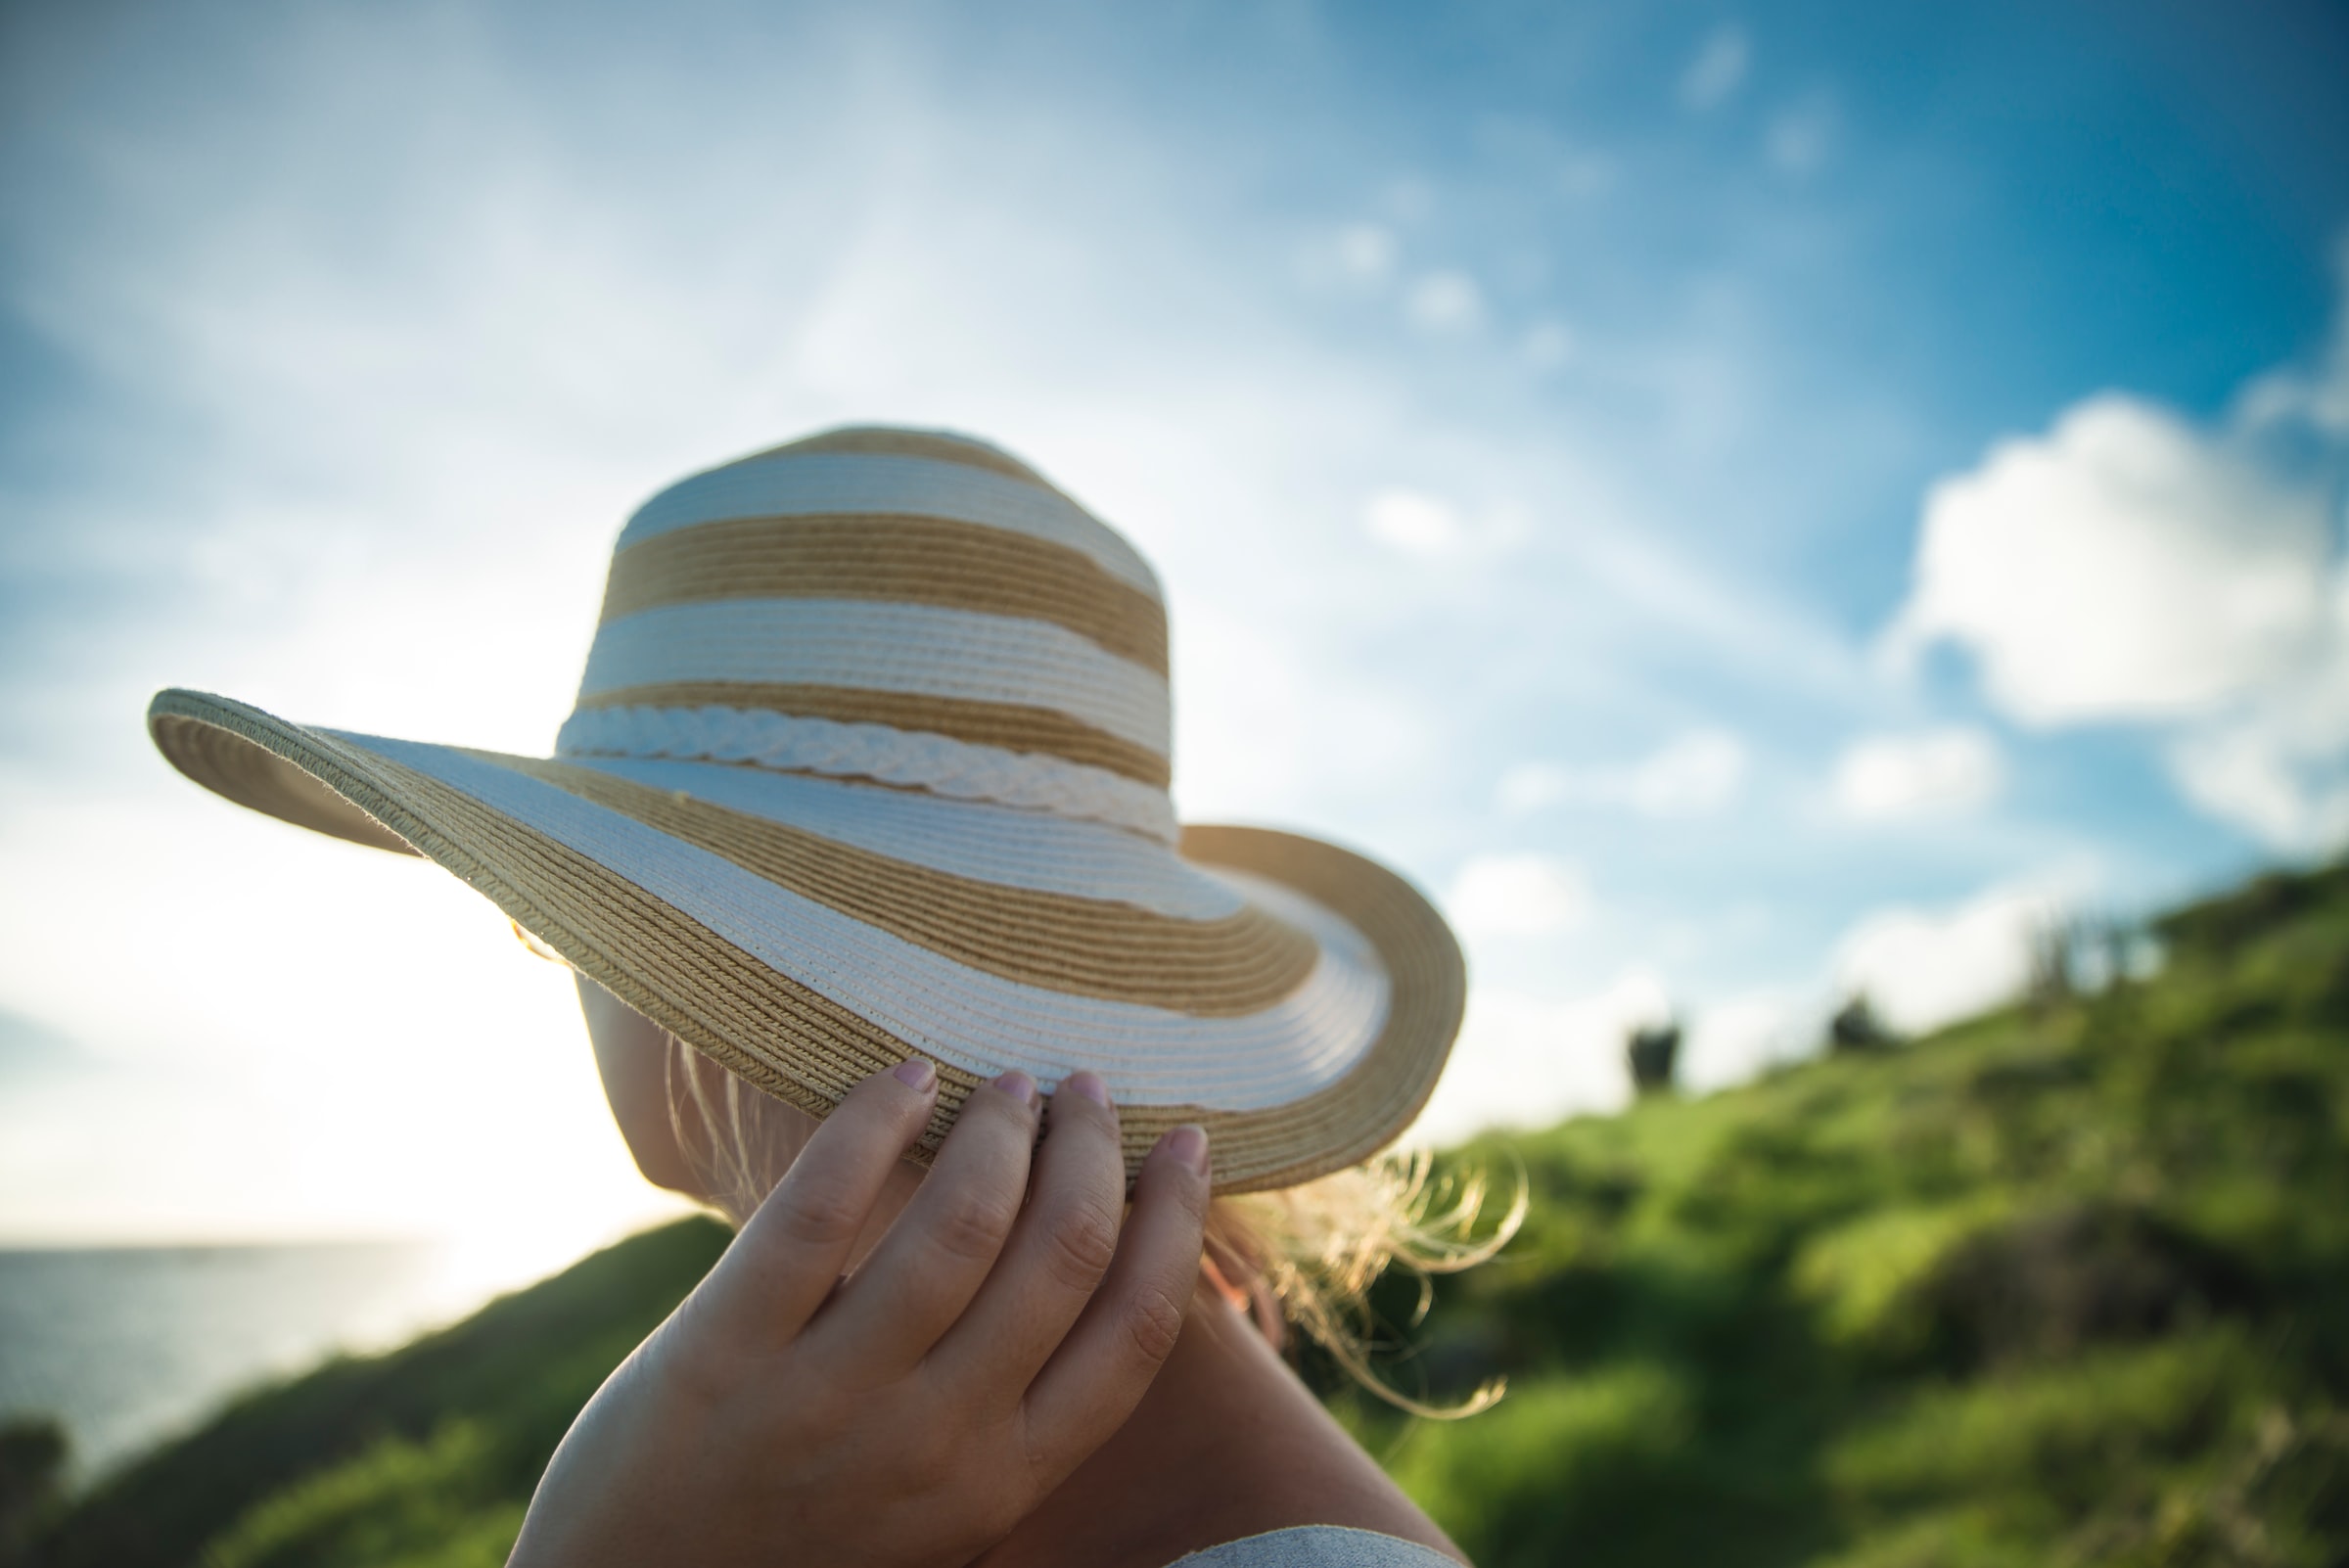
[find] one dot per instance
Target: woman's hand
(914, 1411)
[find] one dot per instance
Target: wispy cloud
(1415, 524)
(1920, 968)
(1526, 1061)
(1717, 69)
(1695, 774)
(1447, 303)
(1518, 895)
(1548, 345)
(1944, 771)
(1366, 250)
(1801, 137)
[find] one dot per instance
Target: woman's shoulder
(1319, 1546)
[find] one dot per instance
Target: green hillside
(426, 1456)
(2065, 1284)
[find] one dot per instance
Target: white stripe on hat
(974, 1020)
(920, 650)
(1028, 850)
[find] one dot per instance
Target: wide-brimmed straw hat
(871, 760)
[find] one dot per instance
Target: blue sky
(1741, 503)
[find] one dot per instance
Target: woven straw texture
(870, 761)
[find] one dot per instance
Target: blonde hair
(1309, 1255)
(1306, 1256)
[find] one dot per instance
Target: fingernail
(1188, 1143)
(1090, 1086)
(1019, 1086)
(917, 1073)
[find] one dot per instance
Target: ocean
(129, 1345)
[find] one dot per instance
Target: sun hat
(871, 760)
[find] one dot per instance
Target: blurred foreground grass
(2064, 1284)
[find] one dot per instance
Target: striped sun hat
(871, 760)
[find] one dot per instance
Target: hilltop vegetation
(2061, 1285)
(2065, 1284)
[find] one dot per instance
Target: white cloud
(1525, 1062)
(1445, 301)
(1531, 786)
(2130, 566)
(1938, 772)
(1719, 69)
(1732, 1040)
(1528, 1062)
(1366, 250)
(1922, 968)
(1548, 345)
(1695, 774)
(1802, 136)
(2281, 770)
(1415, 523)
(1429, 526)
(2123, 565)
(1517, 895)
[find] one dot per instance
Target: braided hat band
(871, 760)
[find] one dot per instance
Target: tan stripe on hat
(1237, 964)
(909, 560)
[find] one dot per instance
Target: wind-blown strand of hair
(1319, 1248)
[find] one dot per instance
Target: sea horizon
(129, 1344)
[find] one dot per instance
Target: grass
(2064, 1284)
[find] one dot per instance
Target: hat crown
(909, 606)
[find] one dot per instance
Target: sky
(1746, 505)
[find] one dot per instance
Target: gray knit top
(1318, 1546)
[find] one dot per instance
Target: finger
(1059, 1250)
(937, 1255)
(790, 1256)
(1105, 1366)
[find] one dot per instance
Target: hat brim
(1296, 999)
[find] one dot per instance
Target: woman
(864, 805)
